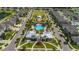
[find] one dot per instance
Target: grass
(75, 46)
(33, 20)
(48, 45)
(54, 42)
(7, 11)
(29, 45)
(5, 15)
(24, 40)
(1, 44)
(17, 41)
(0, 47)
(39, 13)
(7, 34)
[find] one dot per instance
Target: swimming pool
(39, 27)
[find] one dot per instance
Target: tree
(18, 21)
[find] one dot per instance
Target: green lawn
(54, 42)
(29, 24)
(1, 44)
(75, 46)
(29, 45)
(34, 18)
(39, 13)
(48, 45)
(5, 14)
(0, 47)
(24, 40)
(7, 34)
(17, 41)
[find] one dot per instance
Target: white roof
(48, 34)
(30, 33)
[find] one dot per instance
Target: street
(12, 45)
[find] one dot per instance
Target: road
(57, 33)
(11, 46)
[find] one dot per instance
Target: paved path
(11, 46)
(40, 49)
(33, 45)
(44, 46)
(21, 45)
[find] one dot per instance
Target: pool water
(39, 27)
